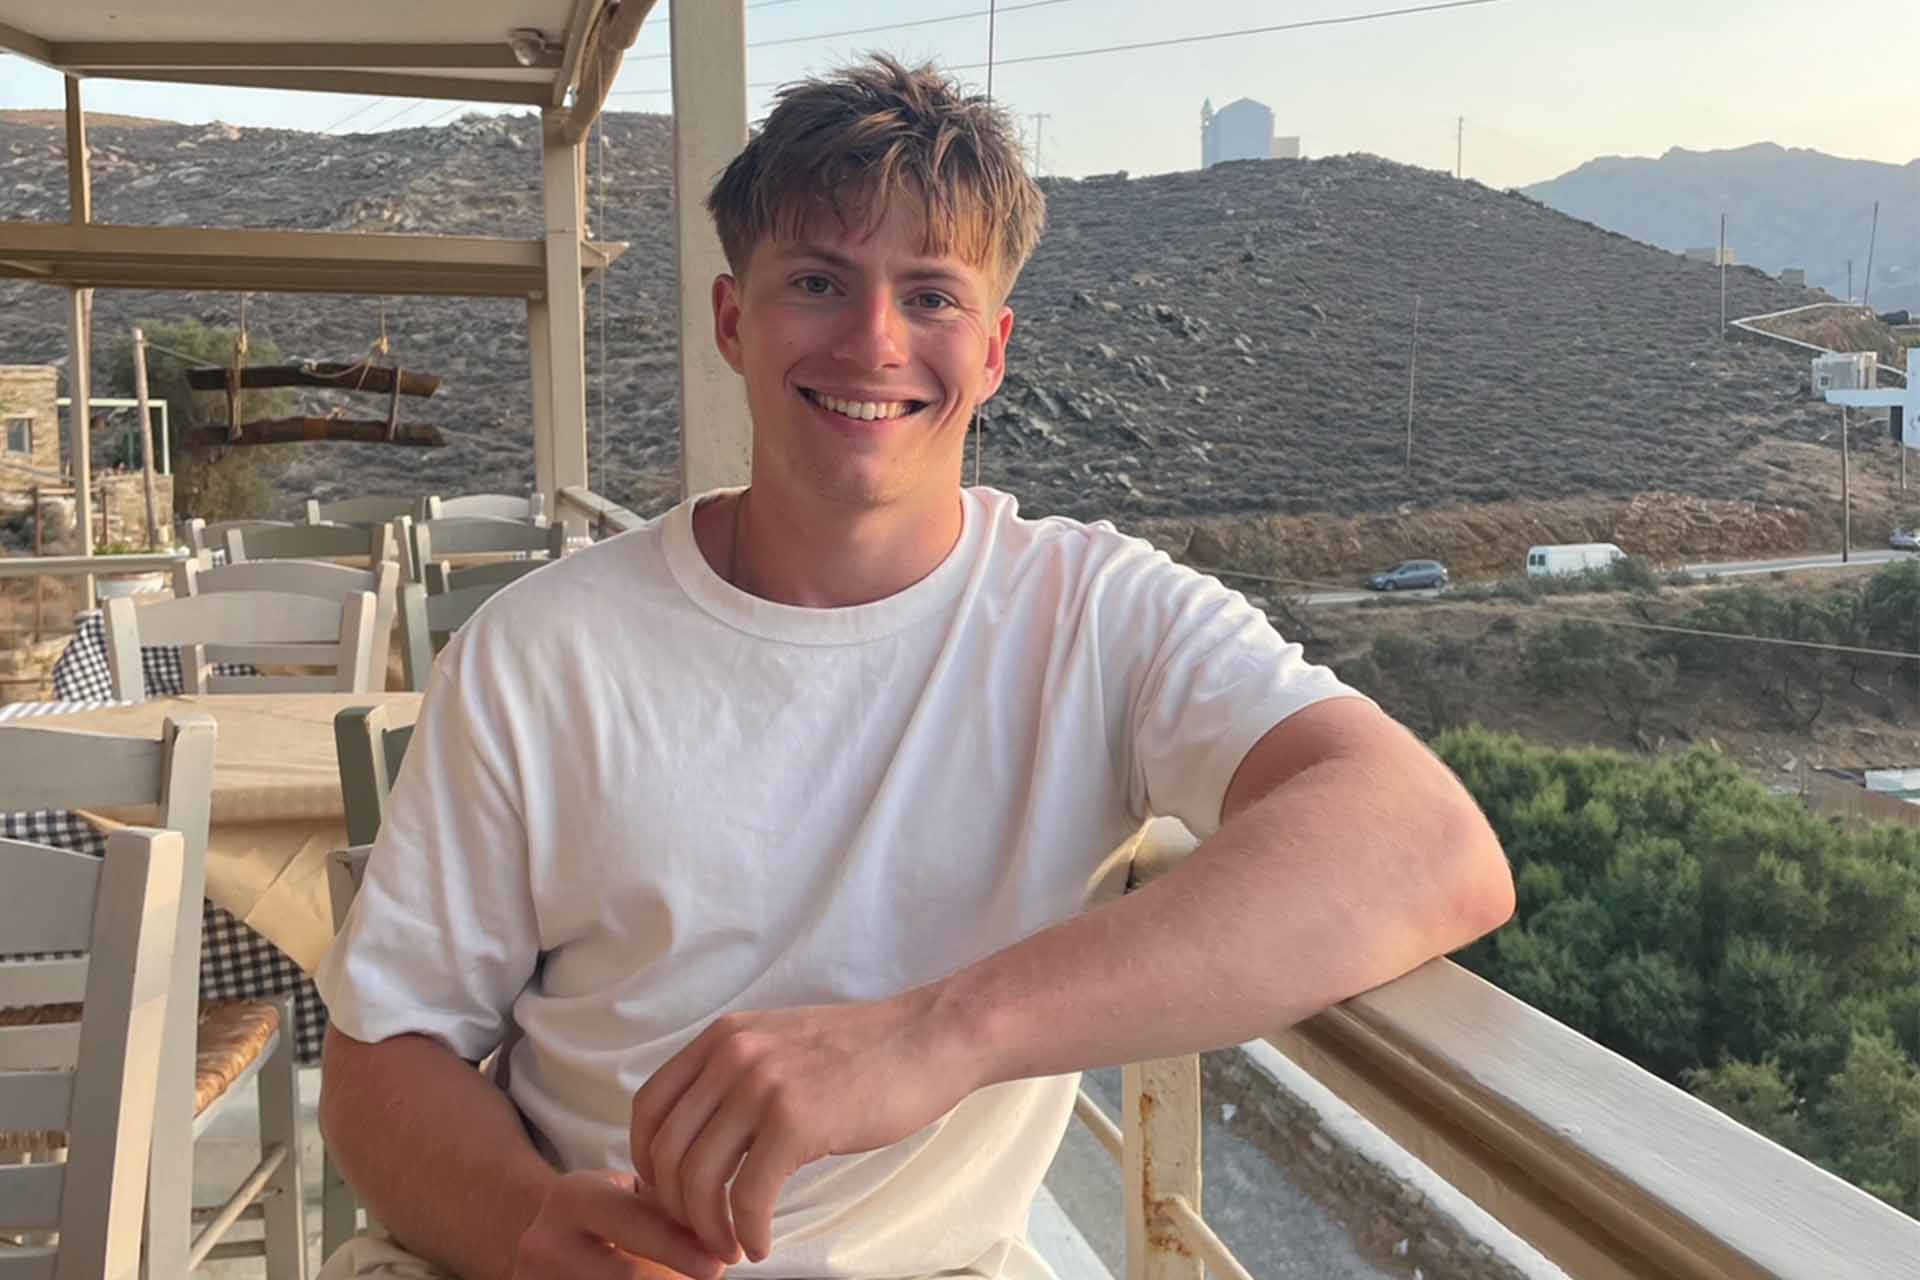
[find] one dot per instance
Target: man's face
(864, 359)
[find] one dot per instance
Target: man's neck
(821, 556)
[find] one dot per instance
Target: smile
(864, 410)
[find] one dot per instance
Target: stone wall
(120, 508)
(27, 392)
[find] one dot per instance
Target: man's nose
(873, 334)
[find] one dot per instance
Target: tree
(1758, 1096)
(1869, 1121)
(1602, 667)
(213, 484)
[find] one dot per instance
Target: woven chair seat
(231, 1035)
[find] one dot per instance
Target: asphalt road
(1717, 569)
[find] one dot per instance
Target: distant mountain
(1785, 208)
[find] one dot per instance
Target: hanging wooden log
(315, 373)
(303, 430)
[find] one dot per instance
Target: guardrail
(604, 517)
(81, 566)
(1603, 1167)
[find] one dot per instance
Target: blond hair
(853, 142)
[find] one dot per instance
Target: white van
(1571, 557)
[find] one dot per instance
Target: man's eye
(816, 285)
(932, 301)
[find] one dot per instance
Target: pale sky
(1543, 84)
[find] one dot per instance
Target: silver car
(1410, 574)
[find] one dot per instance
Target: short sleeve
(442, 937)
(1213, 676)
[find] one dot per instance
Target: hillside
(1206, 343)
(1785, 208)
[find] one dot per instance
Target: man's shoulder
(1085, 549)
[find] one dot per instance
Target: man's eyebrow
(920, 269)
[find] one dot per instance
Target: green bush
(1721, 936)
(213, 484)
(1601, 666)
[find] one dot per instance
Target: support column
(562, 460)
(540, 363)
(709, 128)
(80, 336)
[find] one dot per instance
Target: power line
(862, 31)
(415, 105)
(1348, 19)
(365, 106)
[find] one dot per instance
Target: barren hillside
(1219, 342)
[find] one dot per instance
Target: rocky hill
(1227, 341)
(1786, 207)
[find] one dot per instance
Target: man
(780, 829)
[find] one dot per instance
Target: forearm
(1302, 899)
(436, 1152)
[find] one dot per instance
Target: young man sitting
(780, 831)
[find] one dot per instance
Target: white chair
(305, 578)
(370, 544)
(86, 1081)
(367, 511)
(261, 628)
(206, 1052)
(204, 539)
(369, 753)
(425, 543)
(528, 509)
(429, 619)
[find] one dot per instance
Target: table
(277, 811)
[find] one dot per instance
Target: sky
(1542, 85)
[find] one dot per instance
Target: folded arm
(1348, 855)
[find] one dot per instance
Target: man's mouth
(864, 410)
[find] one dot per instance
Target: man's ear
(997, 352)
(726, 320)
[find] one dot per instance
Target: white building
(1241, 130)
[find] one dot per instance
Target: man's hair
(853, 142)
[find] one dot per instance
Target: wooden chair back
(204, 538)
(369, 545)
(170, 777)
(369, 511)
(261, 628)
(304, 578)
(97, 1079)
(528, 508)
(428, 621)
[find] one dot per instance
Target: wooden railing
(603, 518)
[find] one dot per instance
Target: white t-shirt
(639, 798)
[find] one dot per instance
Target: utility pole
(146, 436)
(1413, 356)
(1459, 147)
(1723, 273)
(1866, 297)
(1846, 492)
(1849, 279)
(1039, 119)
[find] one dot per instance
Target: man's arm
(440, 1157)
(1348, 855)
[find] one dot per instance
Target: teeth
(864, 410)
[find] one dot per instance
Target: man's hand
(596, 1225)
(758, 1095)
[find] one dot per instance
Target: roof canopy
(532, 52)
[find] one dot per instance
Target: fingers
(603, 1224)
(656, 1100)
(673, 1141)
(756, 1188)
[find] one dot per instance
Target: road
(1718, 569)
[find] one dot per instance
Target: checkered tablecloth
(235, 962)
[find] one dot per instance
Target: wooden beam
(579, 25)
(522, 92)
(328, 375)
(27, 45)
(79, 179)
(565, 210)
(109, 57)
(186, 258)
(606, 48)
(309, 430)
(709, 128)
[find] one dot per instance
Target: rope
(978, 440)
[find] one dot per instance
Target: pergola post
(540, 366)
(560, 451)
(709, 128)
(80, 335)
